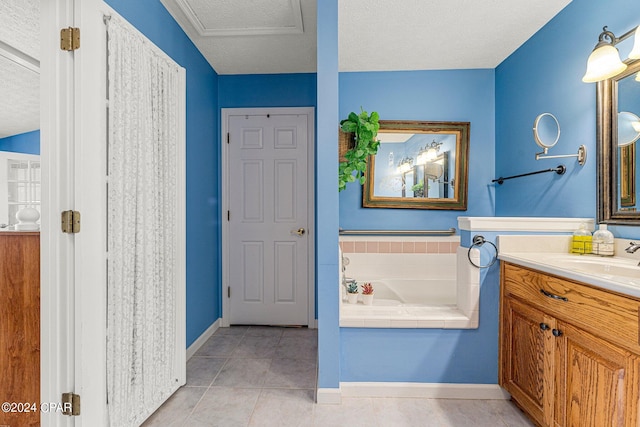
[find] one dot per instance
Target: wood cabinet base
(558, 358)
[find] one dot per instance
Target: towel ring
(479, 241)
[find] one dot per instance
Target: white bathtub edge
(422, 390)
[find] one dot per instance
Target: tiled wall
(398, 246)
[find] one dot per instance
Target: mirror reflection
(418, 165)
(628, 124)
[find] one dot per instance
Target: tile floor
(266, 376)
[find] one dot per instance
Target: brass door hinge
(70, 38)
(71, 222)
(70, 404)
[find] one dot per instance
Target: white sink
(601, 266)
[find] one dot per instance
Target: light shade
(603, 63)
(635, 52)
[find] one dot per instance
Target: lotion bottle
(603, 241)
(582, 241)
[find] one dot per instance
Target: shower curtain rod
(448, 232)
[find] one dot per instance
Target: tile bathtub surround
(399, 247)
(286, 394)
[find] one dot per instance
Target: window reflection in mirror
(419, 166)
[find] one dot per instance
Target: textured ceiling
(19, 76)
(435, 34)
(279, 36)
(254, 37)
(251, 37)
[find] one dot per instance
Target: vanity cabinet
(569, 353)
(20, 327)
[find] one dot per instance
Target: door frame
(57, 315)
(226, 113)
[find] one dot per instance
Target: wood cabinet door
(598, 381)
(527, 360)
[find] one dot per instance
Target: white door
(268, 217)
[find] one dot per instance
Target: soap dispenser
(602, 242)
(582, 241)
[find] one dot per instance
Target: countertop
(550, 254)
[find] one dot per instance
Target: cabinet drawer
(604, 314)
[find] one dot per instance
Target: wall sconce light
(604, 62)
(405, 165)
(428, 153)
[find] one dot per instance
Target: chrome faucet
(632, 247)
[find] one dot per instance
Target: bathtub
(414, 287)
(413, 292)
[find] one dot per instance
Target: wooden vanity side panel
(602, 313)
(20, 325)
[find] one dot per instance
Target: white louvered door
(268, 221)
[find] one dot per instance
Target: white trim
(424, 390)
(199, 342)
(310, 113)
(333, 396)
(56, 249)
(203, 31)
(532, 224)
(328, 396)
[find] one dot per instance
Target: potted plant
(418, 189)
(365, 128)
(367, 294)
(352, 293)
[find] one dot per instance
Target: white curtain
(144, 106)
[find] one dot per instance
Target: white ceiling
(19, 67)
(279, 36)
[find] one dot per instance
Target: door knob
(300, 231)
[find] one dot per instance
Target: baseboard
(423, 390)
(328, 396)
(195, 346)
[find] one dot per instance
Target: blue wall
(545, 75)
(453, 95)
(425, 355)
(203, 195)
(329, 357)
(267, 90)
(28, 142)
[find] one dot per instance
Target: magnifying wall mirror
(419, 165)
(618, 132)
(546, 131)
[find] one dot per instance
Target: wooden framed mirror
(419, 165)
(618, 132)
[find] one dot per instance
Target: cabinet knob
(556, 332)
(544, 326)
